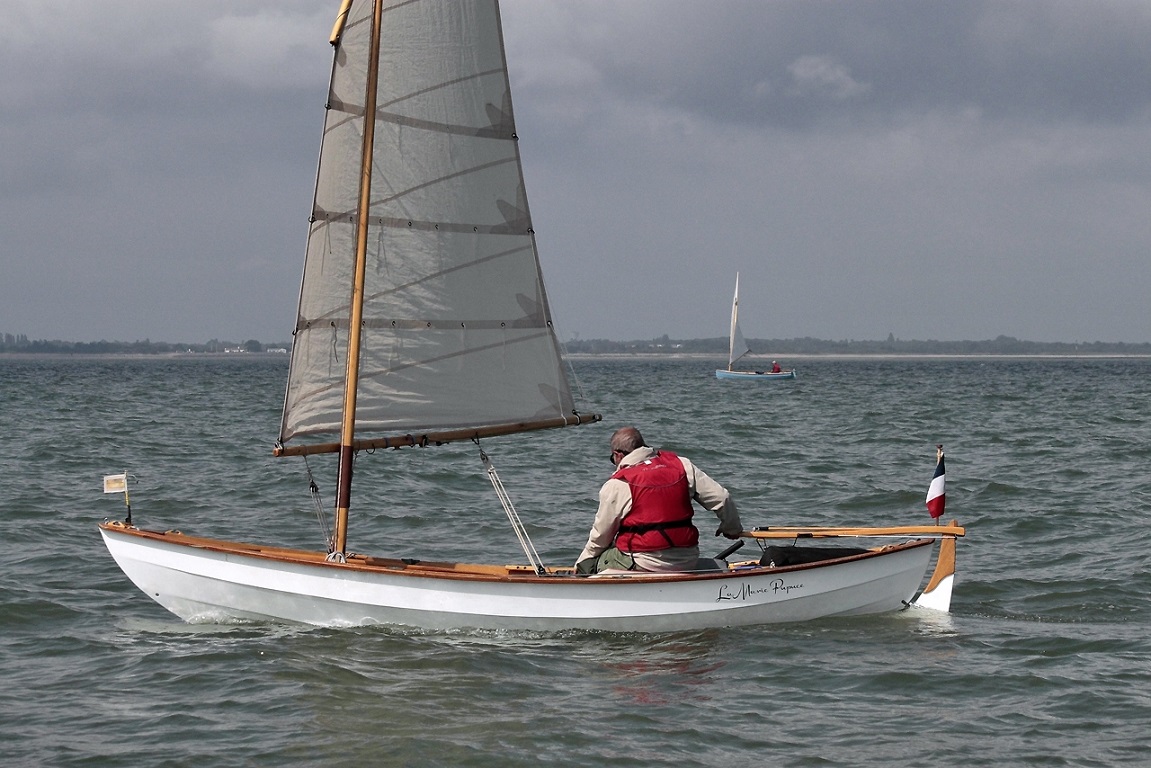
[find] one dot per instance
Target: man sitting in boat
(644, 520)
(775, 367)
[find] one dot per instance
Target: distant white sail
(457, 331)
(737, 347)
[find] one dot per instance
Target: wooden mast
(355, 323)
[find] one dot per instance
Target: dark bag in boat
(777, 557)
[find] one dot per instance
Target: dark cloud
(797, 63)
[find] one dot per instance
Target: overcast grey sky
(936, 170)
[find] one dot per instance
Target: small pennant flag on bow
(116, 483)
(936, 494)
(119, 484)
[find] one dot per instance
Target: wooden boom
(439, 438)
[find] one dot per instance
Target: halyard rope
(318, 503)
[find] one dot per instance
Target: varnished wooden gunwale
(795, 532)
(517, 573)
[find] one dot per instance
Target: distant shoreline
(614, 356)
(143, 355)
(853, 356)
(652, 349)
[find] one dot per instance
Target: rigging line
(318, 504)
(571, 369)
(513, 517)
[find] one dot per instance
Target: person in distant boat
(644, 520)
(775, 367)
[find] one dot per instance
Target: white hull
(757, 375)
(202, 580)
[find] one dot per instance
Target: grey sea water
(1044, 660)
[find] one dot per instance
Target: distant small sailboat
(737, 348)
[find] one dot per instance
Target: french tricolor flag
(936, 494)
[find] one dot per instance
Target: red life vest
(660, 516)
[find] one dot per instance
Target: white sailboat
(737, 348)
(422, 320)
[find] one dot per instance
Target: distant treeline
(1002, 345)
(21, 343)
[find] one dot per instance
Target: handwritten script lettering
(746, 591)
